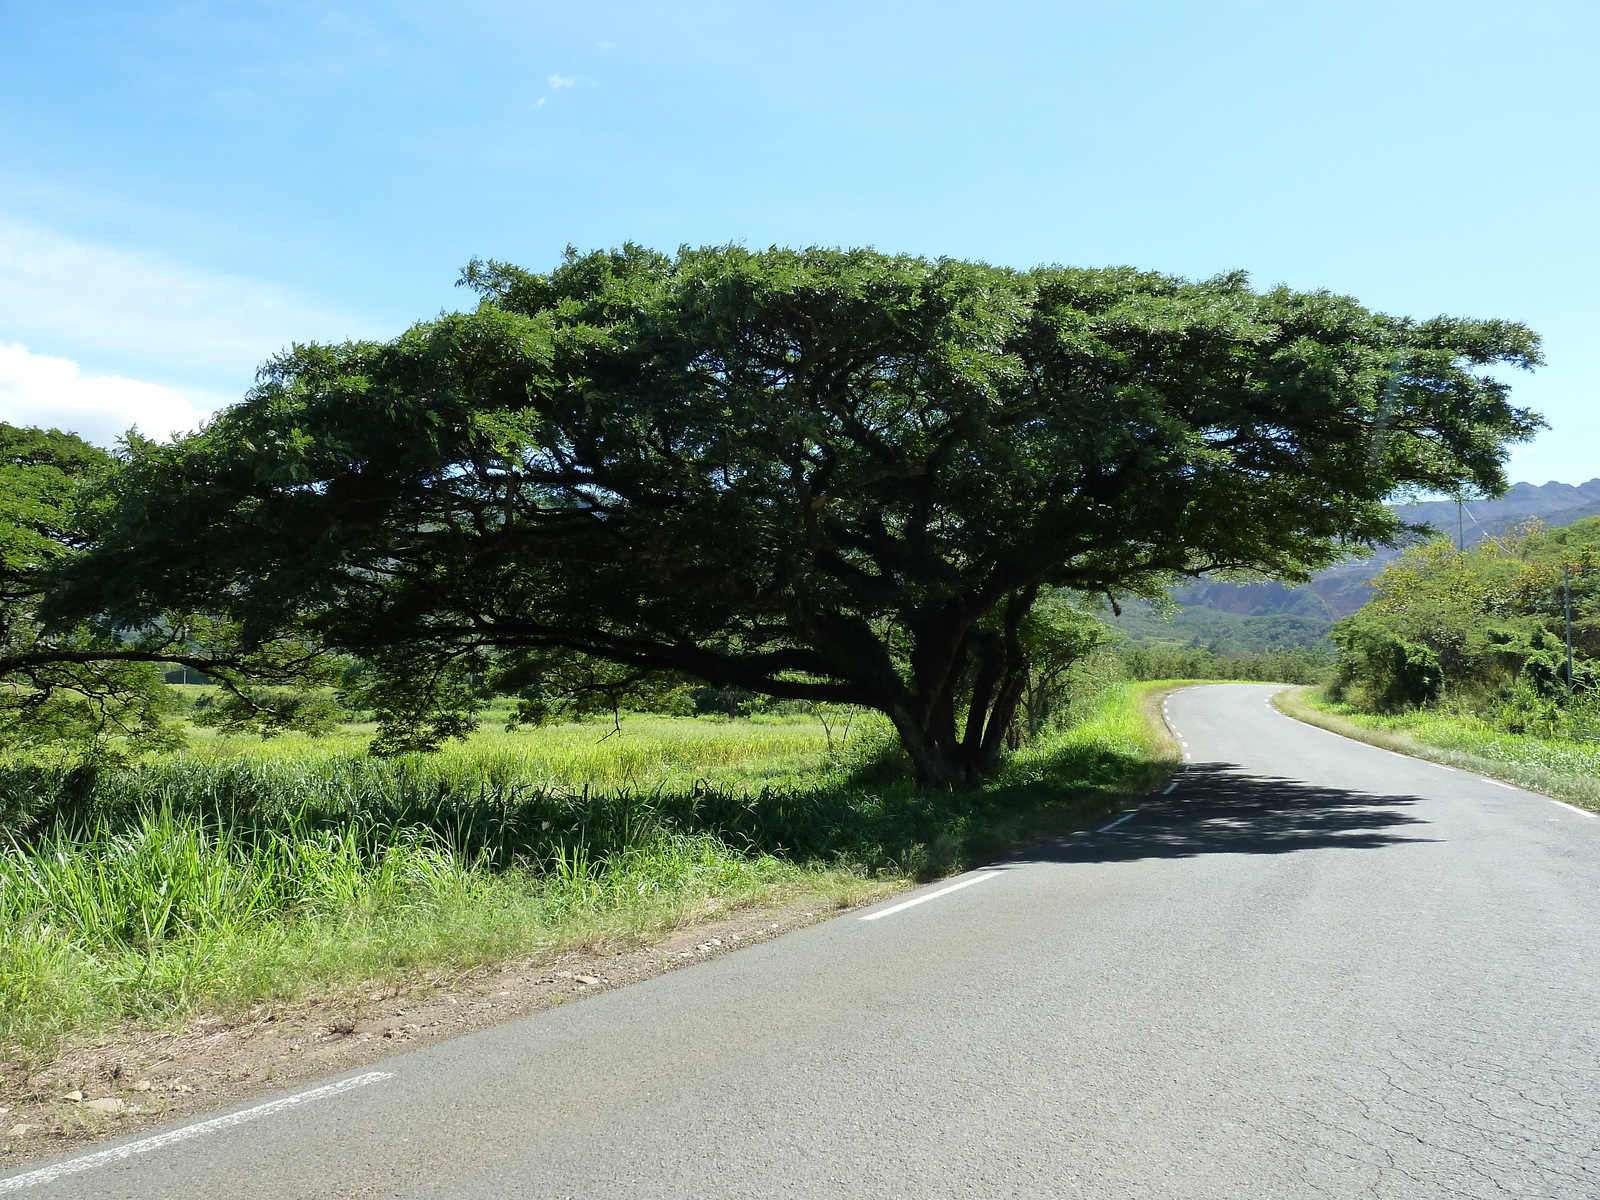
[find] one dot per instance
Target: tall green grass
(641, 751)
(178, 914)
(226, 877)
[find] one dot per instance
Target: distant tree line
(1301, 665)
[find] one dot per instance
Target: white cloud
(36, 389)
(141, 315)
(561, 81)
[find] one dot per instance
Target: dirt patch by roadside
(121, 1087)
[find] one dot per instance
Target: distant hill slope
(1344, 587)
(1553, 503)
(1237, 618)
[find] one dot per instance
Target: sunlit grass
(641, 751)
(176, 915)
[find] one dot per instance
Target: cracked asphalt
(1314, 969)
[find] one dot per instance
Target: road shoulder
(1292, 703)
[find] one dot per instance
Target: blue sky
(187, 187)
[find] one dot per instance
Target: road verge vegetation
(157, 891)
(1564, 769)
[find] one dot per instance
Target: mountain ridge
(1220, 614)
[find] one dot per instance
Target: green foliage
(420, 701)
(1229, 634)
(1389, 671)
(1482, 630)
(177, 912)
(1200, 644)
(563, 685)
(41, 475)
(269, 712)
(85, 681)
(65, 686)
(96, 708)
(1063, 647)
(1247, 599)
(834, 476)
(1529, 740)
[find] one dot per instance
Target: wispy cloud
(138, 315)
(38, 389)
(561, 81)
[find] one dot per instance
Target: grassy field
(1569, 770)
(242, 871)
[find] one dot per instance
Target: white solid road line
(1582, 812)
(1380, 749)
(1171, 787)
(116, 1154)
(905, 904)
(1128, 816)
(1497, 783)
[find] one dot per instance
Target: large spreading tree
(822, 475)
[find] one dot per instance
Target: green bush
(1481, 630)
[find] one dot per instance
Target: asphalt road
(1315, 969)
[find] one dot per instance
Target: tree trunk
(942, 759)
(956, 659)
(934, 764)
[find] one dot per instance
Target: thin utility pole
(1566, 599)
(1461, 537)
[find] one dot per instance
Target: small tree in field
(836, 476)
(76, 686)
(83, 682)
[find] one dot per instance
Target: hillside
(1235, 618)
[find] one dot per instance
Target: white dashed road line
(1582, 812)
(905, 904)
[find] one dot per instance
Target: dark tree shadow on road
(1218, 808)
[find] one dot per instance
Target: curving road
(1314, 969)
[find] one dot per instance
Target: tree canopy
(823, 475)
